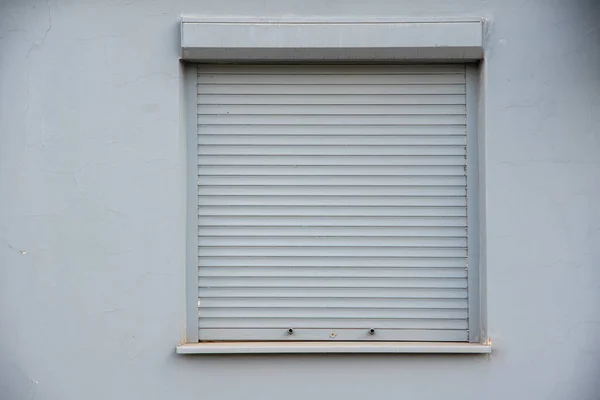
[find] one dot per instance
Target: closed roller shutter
(332, 201)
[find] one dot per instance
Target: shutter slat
(332, 251)
(338, 190)
(322, 160)
(347, 282)
(250, 200)
(359, 90)
(329, 79)
(328, 211)
(344, 272)
(332, 180)
(349, 303)
(334, 323)
(327, 292)
(458, 170)
(285, 69)
(343, 130)
(329, 262)
(318, 150)
(332, 109)
(378, 231)
(386, 335)
(331, 119)
(331, 99)
(328, 241)
(332, 199)
(332, 313)
(334, 140)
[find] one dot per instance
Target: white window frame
(470, 51)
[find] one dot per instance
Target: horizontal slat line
(453, 79)
(362, 231)
(349, 80)
(348, 90)
(337, 126)
(332, 272)
(332, 313)
(431, 137)
(336, 145)
(270, 299)
(202, 161)
(346, 211)
(339, 276)
(337, 79)
(334, 241)
(350, 217)
(329, 231)
(324, 293)
(368, 171)
(343, 318)
(317, 277)
(267, 114)
(333, 251)
(329, 186)
(336, 186)
(333, 262)
(331, 69)
(392, 282)
(334, 323)
(332, 226)
(240, 104)
(346, 246)
(331, 109)
(338, 190)
(309, 257)
(339, 302)
(302, 242)
(329, 222)
(332, 151)
(388, 335)
(326, 165)
(315, 215)
(345, 155)
(358, 309)
(327, 100)
(333, 180)
(336, 196)
(327, 135)
(334, 140)
(334, 237)
(340, 125)
(343, 130)
(440, 82)
(236, 206)
(341, 201)
(332, 206)
(335, 120)
(331, 283)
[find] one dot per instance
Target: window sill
(329, 348)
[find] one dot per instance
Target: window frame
(477, 339)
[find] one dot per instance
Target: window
(336, 203)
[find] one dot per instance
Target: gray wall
(92, 210)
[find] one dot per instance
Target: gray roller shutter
(332, 201)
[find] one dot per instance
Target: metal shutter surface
(332, 200)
